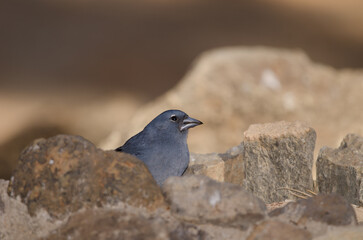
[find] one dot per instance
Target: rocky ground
(256, 164)
(254, 169)
(66, 188)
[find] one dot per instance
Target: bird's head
(173, 120)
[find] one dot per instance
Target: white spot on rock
(289, 101)
(51, 161)
(35, 147)
(215, 198)
(270, 80)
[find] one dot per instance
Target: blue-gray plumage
(162, 145)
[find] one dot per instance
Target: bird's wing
(135, 145)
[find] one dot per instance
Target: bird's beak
(189, 123)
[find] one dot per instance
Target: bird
(162, 144)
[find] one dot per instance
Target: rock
(278, 155)
(359, 213)
(189, 232)
(276, 230)
(216, 232)
(9, 150)
(102, 224)
(341, 170)
(210, 165)
(230, 88)
(15, 221)
(318, 213)
(66, 173)
(222, 167)
(346, 233)
(201, 200)
(131, 223)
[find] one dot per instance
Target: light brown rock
(346, 233)
(15, 221)
(341, 170)
(278, 155)
(359, 213)
(317, 214)
(222, 167)
(210, 165)
(201, 200)
(276, 130)
(65, 173)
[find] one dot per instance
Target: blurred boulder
(346, 233)
(233, 87)
(277, 230)
(318, 213)
(222, 167)
(209, 164)
(278, 155)
(201, 200)
(113, 224)
(65, 173)
(341, 170)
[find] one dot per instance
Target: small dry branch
(299, 194)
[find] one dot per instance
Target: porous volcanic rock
(341, 170)
(318, 213)
(278, 155)
(64, 173)
(200, 200)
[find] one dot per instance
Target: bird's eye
(173, 118)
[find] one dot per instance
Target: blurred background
(82, 67)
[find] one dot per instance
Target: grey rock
(234, 165)
(132, 223)
(318, 213)
(278, 155)
(2, 206)
(341, 170)
(113, 224)
(201, 200)
(277, 230)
